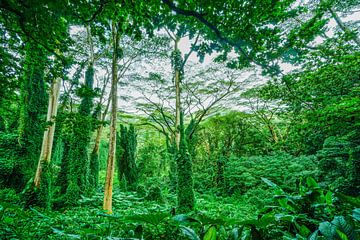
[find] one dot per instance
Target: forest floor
(131, 213)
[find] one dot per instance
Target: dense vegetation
(184, 119)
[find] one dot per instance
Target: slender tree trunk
(99, 130)
(46, 148)
(178, 101)
(107, 205)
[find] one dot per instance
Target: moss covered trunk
(48, 137)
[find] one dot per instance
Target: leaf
(270, 183)
(327, 229)
(355, 201)
(210, 234)
(304, 231)
(345, 227)
(284, 217)
(190, 233)
(356, 214)
(183, 218)
(236, 233)
(314, 235)
(328, 198)
(312, 183)
(342, 235)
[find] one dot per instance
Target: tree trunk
(94, 157)
(107, 205)
(46, 148)
(177, 100)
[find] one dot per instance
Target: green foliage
(303, 215)
(185, 185)
(243, 175)
(75, 134)
(334, 162)
(11, 170)
(232, 162)
(46, 187)
(152, 156)
(154, 194)
(33, 105)
(177, 61)
(126, 154)
(94, 169)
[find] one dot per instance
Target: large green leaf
(311, 183)
(356, 214)
(210, 233)
(183, 218)
(342, 235)
(189, 233)
(327, 229)
(344, 227)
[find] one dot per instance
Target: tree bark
(46, 148)
(107, 205)
(177, 101)
(100, 129)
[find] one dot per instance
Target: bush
(244, 174)
(9, 195)
(11, 173)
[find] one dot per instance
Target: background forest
(162, 119)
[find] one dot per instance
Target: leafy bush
(11, 160)
(244, 174)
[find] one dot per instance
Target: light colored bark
(100, 129)
(177, 101)
(107, 204)
(48, 138)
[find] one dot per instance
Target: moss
(42, 196)
(33, 106)
(94, 170)
(45, 191)
(77, 128)
(185, 186)
(125, 155)
(72, 194)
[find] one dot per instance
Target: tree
(125, 155)
(43, 167)
(33, 103)
(185, 183)
(112, 138)
(78, 159)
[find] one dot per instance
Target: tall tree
(107, 205)
(33, 105)
(42, 179)
(78, 158)
(125, 155)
